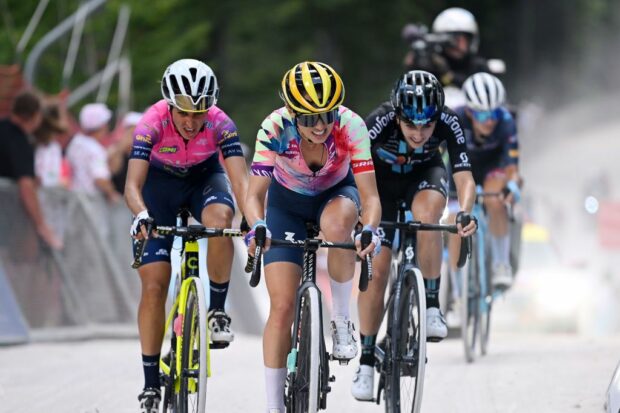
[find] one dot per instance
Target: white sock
(500, 247)
(341, 294)
(274, 383)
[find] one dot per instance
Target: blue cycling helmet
(418, 97)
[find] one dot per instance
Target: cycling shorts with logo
(288, 212)
(397, 187)
(164, 194)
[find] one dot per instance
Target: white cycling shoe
(219, 327)
(502, 276)
(436, 328)
(363, 386)
(345, 344)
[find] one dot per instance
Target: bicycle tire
(304, 389)
(404, 381)
(193, 386)
(486, 307)
(470, 303)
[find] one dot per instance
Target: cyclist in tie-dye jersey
(313, 158)
(175, 163)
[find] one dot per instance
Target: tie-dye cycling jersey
(277, 153)
(156, 140)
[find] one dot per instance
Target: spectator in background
(87, 156)
(48, 157)
(17, 159)
(118, 153)
(450, 52)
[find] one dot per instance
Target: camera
(424, 44)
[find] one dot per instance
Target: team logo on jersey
(168, 149)
(208, 124)
(226, 134)
(144, 138)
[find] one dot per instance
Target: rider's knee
(281, 313)
(155, 291)
(220, 216)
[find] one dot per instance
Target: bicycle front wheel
(404, 382)
(470, 303)
(193, 387)
(304, 382)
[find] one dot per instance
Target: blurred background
(562, 61)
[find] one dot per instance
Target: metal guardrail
(85, 283)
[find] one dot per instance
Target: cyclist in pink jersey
(175, 163)
(313, 157)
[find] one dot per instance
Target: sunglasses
(310, 121)
(485, 115)
(186, 103)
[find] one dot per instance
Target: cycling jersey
(278, 154)
(498, 150)
(156, 140)
(392, 155)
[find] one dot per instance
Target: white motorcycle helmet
(458, 20)
(190, 86)
(483, 92)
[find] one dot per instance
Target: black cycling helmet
(418, 97)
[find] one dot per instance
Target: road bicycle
(308, 378)
(472, 284)
(400, 357)
(186, 366)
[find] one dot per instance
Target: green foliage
(250, 44)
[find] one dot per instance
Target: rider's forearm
(512, 172)
(254, 209)
(466, 190)
(371, 211)
(133, 198)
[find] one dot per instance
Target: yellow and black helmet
(312, 87)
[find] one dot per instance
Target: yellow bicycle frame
(189, 270)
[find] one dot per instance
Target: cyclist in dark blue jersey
(406, 133)
(493, 148)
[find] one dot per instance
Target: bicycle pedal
(218, 345)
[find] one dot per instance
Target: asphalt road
(522, 373)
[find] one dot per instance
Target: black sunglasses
(310, 121)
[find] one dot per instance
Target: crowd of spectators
(44, 146)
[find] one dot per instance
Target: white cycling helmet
(484, 92)
(190, 86)
(458, 20)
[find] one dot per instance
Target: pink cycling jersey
(278, 152)
(156, 140)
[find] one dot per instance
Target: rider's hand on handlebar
(373, 248)
(512, 192)
(466, 224)
(250, 238)
(139, 226)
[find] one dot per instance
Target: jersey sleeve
(267, 144)
(227, 137)
(511, 141)
(359, 142)
(377, 123)
(146, 133)
(451, 130)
